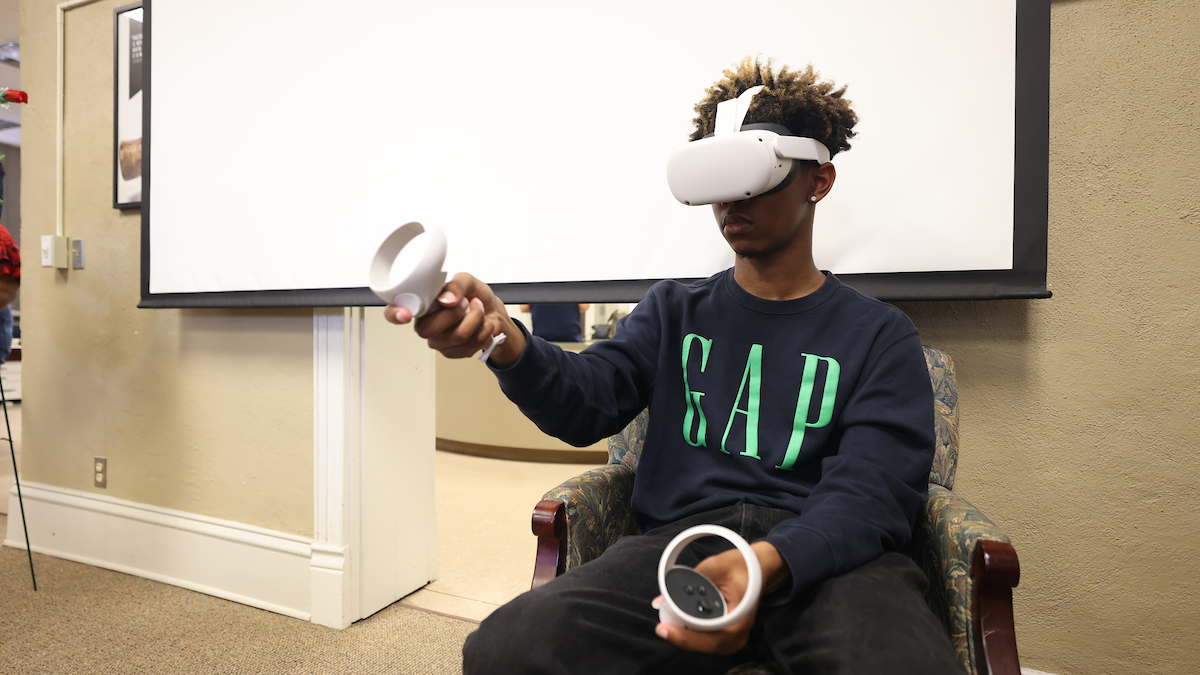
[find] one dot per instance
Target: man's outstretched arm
(578, 398)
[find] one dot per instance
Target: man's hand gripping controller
(418, 287)
(690, 599)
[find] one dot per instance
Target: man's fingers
(451, 327)
(441, 319)
(468, 336)
(398, 315)
(464, 317)
(463, 285)
(452, 303)
(487, 328)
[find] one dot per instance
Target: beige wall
(472, 409)
(205, 411)
(1079, 413)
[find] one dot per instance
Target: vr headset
(739, 161)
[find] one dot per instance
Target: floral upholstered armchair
(971, 565)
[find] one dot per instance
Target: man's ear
(821, 179)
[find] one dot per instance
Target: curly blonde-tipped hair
(792, 98)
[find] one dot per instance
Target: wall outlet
(100, 469)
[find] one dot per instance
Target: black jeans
(597, 618)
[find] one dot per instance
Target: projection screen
(285, 140)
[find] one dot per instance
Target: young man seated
(785, 406)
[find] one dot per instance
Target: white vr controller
(736, 163)
(691, 599)
(417, 287)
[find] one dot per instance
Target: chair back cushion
(945, 416)
(626, 446)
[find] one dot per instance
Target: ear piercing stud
(813, 199)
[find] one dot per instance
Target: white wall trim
(336, 449)
(239, 562)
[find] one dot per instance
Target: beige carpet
(88, 620)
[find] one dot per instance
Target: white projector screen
(286, 140)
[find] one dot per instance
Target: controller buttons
(694, 593)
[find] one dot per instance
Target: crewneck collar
(793, 306)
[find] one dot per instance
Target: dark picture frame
(130, 85)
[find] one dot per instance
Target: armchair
(971, 565)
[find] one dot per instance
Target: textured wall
(1079, 412)
(205, 411)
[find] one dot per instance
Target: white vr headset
(739, 162)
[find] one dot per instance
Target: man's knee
(521, 636)
(870, 619)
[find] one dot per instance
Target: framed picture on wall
(128, 85)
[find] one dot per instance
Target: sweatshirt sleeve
(867, 499)
(583, 397)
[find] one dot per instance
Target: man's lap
(597, 618)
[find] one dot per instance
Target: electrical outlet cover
(100, 472)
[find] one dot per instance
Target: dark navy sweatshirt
(819, 405)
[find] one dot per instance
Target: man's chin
(748, 251)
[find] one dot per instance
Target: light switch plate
(76, 254)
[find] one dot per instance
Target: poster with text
(127, 137)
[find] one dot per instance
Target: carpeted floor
(84, 619)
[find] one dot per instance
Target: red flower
(16, 96)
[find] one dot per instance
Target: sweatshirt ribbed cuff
(523, 374)
(808, 556)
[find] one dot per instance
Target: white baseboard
(1030, 671)
(251, 565)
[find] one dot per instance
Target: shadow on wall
(989, 340)
(210, 332)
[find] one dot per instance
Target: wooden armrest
(995, 571)
(964, 554)
(549, 526)
(580, 518)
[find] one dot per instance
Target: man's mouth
(735, 223)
